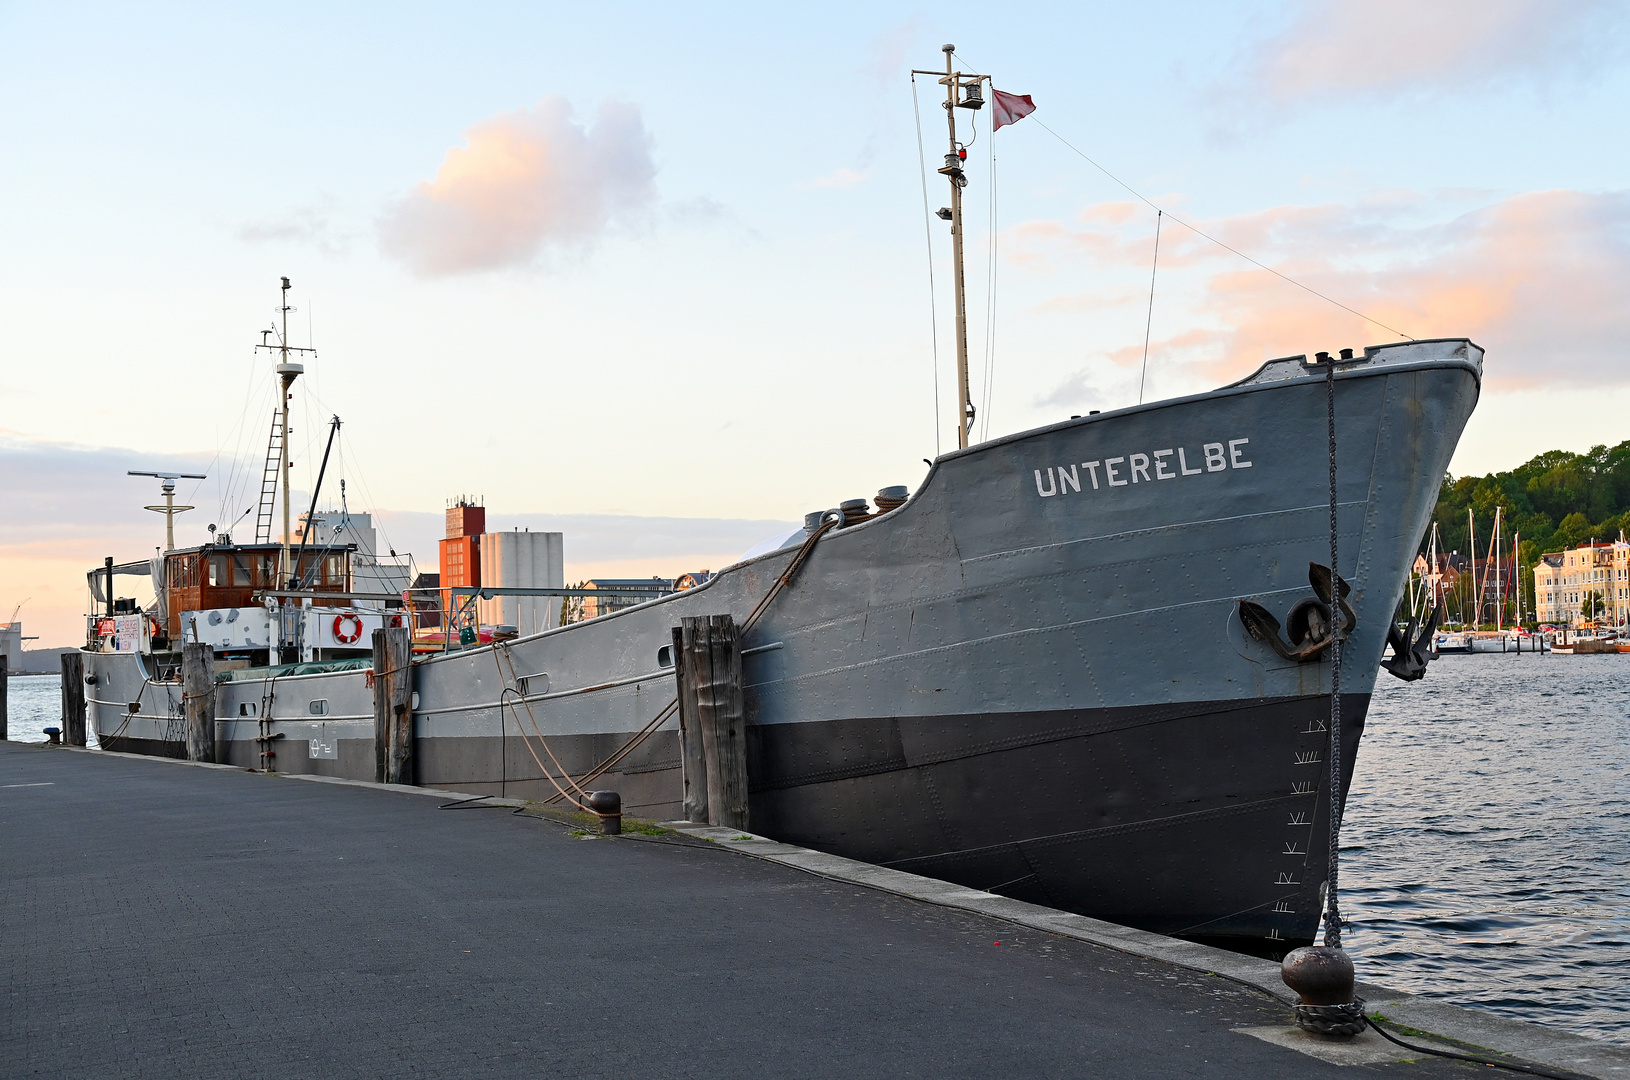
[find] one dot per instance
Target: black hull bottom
(125, 744)
(1201, 820)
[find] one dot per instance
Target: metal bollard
(609, 805)
(1323, 976)
(53, 736)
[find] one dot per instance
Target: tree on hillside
(1556, 500)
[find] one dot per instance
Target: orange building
(460, 554)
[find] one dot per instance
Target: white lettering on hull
(1141, 468)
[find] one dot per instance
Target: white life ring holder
(340, 634)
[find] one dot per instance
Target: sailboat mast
(1516, 573)
(1477, 582)
(1437, 575)
(959, 180)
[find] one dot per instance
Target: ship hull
(1031, 679)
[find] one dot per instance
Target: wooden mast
(962, 91)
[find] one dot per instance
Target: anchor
(1411, 653)
(1308, 625)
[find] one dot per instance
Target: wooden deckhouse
(233, 576)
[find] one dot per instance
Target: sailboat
(939, 685)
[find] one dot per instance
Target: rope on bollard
(1338, 633)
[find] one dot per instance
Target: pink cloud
(1537, 279)
(1386, 47)
(523, 181)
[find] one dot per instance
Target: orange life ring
(356, 629)
(396, 621)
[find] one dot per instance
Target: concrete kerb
(1527, 1042)
(1468, 1027)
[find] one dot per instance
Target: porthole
(246, 708)
(665, 656)
(318, 707)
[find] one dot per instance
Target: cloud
(1384, 48)
(69, 506)
(307, 225)
(522, 182)
(1537, 279)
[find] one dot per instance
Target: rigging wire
(361, 478)
(1198, 232)
(1150, 320)
(990, 294)
(928, 232)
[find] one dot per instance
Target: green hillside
(1557, 500)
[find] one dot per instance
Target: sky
(659, 276)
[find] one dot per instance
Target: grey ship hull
(1030, 679)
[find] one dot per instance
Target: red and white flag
(1007, 108)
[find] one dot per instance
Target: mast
(1437, 576)
(287, 372)
(962, 91)
(1516, 574)
(169, 509)
(959, 180)
(1499, 580)
(1477, 583)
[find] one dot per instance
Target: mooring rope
(781, 582)
(1338, 630)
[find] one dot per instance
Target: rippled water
(1486, 849)
(34, 703)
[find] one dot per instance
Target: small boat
(1452, 643)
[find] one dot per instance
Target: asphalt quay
(173, 920)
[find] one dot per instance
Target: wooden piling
(692, 756)
(4, 677)
(198, 699)
(73, 698)
(393, 698)
(713, 666)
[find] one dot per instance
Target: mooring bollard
(713, 683)
(1323, 977)
(53, 736)
(609, 805)
(73, 698)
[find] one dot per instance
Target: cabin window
(267, 570)
(246, 708)
(334, 570)
(240, 571)
(217, 570)
(318, 707)
(184, 572)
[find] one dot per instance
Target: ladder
(269, 481)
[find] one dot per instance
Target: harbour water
(1486, 849)
(1486, 852)
(34, 703)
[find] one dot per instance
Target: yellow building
(1564, 579)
